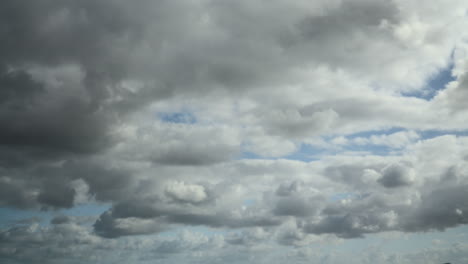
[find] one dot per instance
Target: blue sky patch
(11, 216)
(428, 134)
(369, 133)
(435, 83)
(305, 153)
(183, 117)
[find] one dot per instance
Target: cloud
(60, 109)
(180, 144)
(256, 121)
(191, 193)
(439, 209)
(393, 140)
(61, 219)
(27, 243)
(107, 226)
(396, 176)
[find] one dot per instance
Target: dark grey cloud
(61, 219)
(47, 186)
(440, 208)
(62, 197)
(323, 32)
(47, 34)
(53, 32)
(289, 189)
(17, 87)
(194, 157)
(297, 199)
(291, 237)
(32, 191)
(295, 207)
(110, 227)
(106, 182)
(225, 220)
(396, 175)
(156, 215)
(38, 122)
(41, 125)
(362, 15)
(351, 174)
(16, 193)
(349, 225)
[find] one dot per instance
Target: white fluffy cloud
(186, 192)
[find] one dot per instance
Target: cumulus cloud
(186, 192)
(271, 125)
(107, 226)
(396, 175)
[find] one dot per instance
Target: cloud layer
(271, 124)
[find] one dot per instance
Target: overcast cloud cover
(221, 131)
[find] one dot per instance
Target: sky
(221, 131)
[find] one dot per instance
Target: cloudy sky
(221, 131)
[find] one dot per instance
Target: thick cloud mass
(265, 126)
